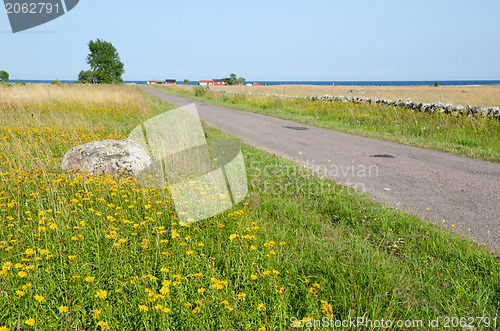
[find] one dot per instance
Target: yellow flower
(164, 270)
(254, 277)
(261, 329)
(21, 274)
(71, 258)
(30, 322)
(102, 294)
(39, 298)
(201, 290)
(20, 293)
(261, 306)
(326, 308)
(228, 308)
(103, 325)
(190, 252)
(196, 310)
(3, 328)
(242, 296)
(63, 309)
(95, 313)
(253, 247)
(89, 279)
(143, 308)
(280, 290)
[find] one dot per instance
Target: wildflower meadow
(86, 252)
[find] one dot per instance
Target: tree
(231, 80)
(186, 81)
(241, 81)
(105, 62)
(86, 77)
(4, 76)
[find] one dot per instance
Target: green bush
(56, 82)
(200, 90)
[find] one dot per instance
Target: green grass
(297, 246)
(476, 137)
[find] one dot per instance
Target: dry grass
(33, 95)
(33, 115)
(487, 95)
(67, 105)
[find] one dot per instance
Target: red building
(212, 82)
(219, 82)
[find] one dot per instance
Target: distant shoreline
(322, 83)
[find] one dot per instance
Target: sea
(321, 82)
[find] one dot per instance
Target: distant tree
(105, 62)
(4, 76)
(86, 77)
(241, 81)
(231, 80)
(436, 84)
(186, 81)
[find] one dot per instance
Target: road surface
(433, 185)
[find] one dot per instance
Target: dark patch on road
(298, 128)
(385, 156)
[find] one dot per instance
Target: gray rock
(460, 109)
(113, 157)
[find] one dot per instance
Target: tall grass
(82, 252)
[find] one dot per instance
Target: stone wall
(444, 108)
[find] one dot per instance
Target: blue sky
(266, 40)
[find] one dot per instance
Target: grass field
(79, 252)
(461, 135)
(487, 95)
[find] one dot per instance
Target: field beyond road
(487, 95)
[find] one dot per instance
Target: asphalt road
(435, 186)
